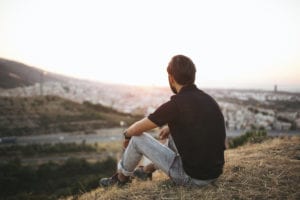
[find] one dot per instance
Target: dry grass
(270, 170)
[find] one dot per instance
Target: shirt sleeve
(165, 114)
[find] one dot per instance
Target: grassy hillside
(270, 170)
(50, 114)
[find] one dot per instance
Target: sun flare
(233, 43)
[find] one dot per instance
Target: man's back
(199, 133)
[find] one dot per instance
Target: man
(195, 130)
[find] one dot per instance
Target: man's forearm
(139, 127)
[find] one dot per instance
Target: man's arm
(139, 127)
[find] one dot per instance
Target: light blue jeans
(164, 157)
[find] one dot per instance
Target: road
(104, 135)
(101, 135)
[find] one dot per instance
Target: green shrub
(51, 180)
(45, 149)
(252, 136)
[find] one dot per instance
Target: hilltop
(15, 74)
(50, 114)
(270, 170)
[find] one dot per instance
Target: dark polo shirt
(197, 126)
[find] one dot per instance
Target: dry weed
(270, 170)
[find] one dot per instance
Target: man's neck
(178, 87)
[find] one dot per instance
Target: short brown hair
(182, 69)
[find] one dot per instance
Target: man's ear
(171, 78)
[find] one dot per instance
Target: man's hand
(125, 143)
(164, 133)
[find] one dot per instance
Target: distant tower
(275, 88)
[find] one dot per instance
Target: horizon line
(285, 87)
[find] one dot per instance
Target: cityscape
(242, 109)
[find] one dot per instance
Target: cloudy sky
(234, 43)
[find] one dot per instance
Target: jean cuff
(122, 170)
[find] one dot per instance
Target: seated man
(195, 128)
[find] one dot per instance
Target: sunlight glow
(233, 43)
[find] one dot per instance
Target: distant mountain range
(15, 74)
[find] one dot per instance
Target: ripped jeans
(164, 157)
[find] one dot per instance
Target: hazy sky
(253, 44)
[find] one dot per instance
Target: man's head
(182, 70)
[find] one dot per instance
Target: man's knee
(141, 139)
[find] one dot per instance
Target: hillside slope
(50, 114)
(15, 74)
(270, 170)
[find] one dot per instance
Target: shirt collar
(187, 88)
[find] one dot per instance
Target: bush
(252, 136)
(51, 180)
(45, 149)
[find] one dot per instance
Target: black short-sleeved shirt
(197, 126)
